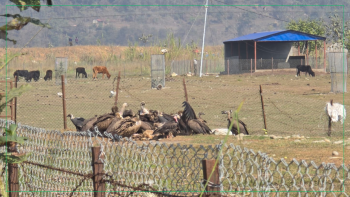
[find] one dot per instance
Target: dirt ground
(293, 106)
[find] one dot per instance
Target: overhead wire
(188, 32)
(252, 11)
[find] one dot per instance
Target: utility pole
(205, 23)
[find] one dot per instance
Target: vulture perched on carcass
(169, 128)
(125, 127)
(192, 122)
(126, 112)
(143, 110)
(78, 121)
(242, 126)
(89, 123)
(105, 120)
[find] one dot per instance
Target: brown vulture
(105, 120)
(192, 122)
(88, 124)
(199, 117)
(124, 127)
(242, 126)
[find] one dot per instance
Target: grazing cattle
(80, 70)
(20, 73)
(33, 75)
(48, 75)
(306, 69)
(100, 69)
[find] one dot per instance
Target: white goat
(335, 111)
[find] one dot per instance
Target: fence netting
(58, 161)
(287, 112)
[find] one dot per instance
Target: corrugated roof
(280, 36)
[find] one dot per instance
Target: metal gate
(61, 69)
(338, 69)
(158, 71)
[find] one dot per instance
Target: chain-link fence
(184, 67)
(173, 170)
(233, 65)
(295, 108)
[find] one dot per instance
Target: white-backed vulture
(143, 109)
(78, 121)
(242, 126)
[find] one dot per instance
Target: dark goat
(80, 70)
(48, 75)
(20, 73)
(33, 75)
(306, 69)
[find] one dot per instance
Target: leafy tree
(18, 22)
(315, 27)
(335, 31)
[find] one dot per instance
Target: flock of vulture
(151, 124)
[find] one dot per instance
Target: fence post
(15, 114)
(263, 108)
(12, 107)
(214, 181)
(117, 90)
(251, 66)
(272, 65)
(64, 103)
(13, 173)
(185, 89)
(97, 168)
(228, 67)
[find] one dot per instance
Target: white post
(205, 23)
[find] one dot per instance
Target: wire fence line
(287, 113)
(169, 169)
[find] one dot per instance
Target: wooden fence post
(185, 89)
(64, 103)
(12, 104)
(117, 90)
(214, 181)
(13, 173)
(15, 115)
(97, 168)
(13, 180)
(263, 108)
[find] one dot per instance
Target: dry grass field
(293, 106)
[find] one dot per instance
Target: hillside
(123, 25)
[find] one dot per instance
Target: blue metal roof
(280, 36)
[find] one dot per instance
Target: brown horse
(100, 69)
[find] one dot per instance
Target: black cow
(20, 73)
(48, 75)
(33, 75)
(306, 69)
(80, 70)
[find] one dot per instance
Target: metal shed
(242, 53)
